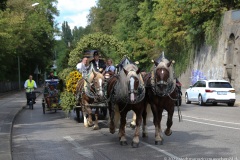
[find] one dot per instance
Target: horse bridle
(169, 89)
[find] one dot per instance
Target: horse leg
(133, 123)
(144, 125)
(157, 122)
(85, 118)
(111, 117)
(122, 136)
(168, 131)
(96, 127)
(135, 142)
(89, 112)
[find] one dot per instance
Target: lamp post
(19, 76)
(19, 70)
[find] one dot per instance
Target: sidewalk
(10, 105)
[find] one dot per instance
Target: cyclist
(29, 86)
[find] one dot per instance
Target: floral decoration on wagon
(71, 81)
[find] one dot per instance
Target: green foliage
(68, 101)
(64, 73)
(26, 32)
(107, 44)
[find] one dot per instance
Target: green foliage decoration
(107, 44)
(68, 101)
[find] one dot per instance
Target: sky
(74, 12)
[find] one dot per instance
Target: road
(206, 132)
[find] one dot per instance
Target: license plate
(222, 93)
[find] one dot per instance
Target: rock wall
(223, 62)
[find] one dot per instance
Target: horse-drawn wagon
(50, 100)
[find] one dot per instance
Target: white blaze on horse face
(162, 71)
(132, 88)
(100, 87)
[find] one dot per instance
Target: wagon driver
(98, 64)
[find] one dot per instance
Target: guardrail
(9, 86)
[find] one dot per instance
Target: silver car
(211, 91)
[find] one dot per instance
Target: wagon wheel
(78, 115)
(43, 105)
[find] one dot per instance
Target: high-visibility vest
(30, 85)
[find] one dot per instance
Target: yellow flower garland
(71, 81)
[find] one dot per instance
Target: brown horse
(90, 90)
(161, 94)
(126, 92)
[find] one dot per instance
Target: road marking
(86, 152)
(161, 150)
(211, 124)
(211, 120)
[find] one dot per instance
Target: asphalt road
(206, 132)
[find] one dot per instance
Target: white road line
(160, 150)
(86, 152)
(210, 124)
(210, 120)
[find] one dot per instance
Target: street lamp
(19, 73)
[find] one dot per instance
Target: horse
(161, 94)
(126, 92)
(90, 89)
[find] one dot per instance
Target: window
(219, 85)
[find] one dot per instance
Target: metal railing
(9, 86)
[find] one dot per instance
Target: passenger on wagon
(98, 64)
(110, 69)
(83, 66)
(52, 96)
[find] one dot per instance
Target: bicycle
(31, 96)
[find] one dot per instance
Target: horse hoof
(168, 133)
(135, 145)
(144, 135)
(112, 131)
(132, 126)
(86, 125)
(159, 142)
(96, 128)
(123, 143)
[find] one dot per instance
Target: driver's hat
(95, 53)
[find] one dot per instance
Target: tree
(108, 45)
(26, 32)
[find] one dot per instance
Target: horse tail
(116, 116)
(149, 112)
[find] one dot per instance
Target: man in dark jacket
(98, 64)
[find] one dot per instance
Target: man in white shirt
(83, 66)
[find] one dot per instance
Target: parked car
(211, 91)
